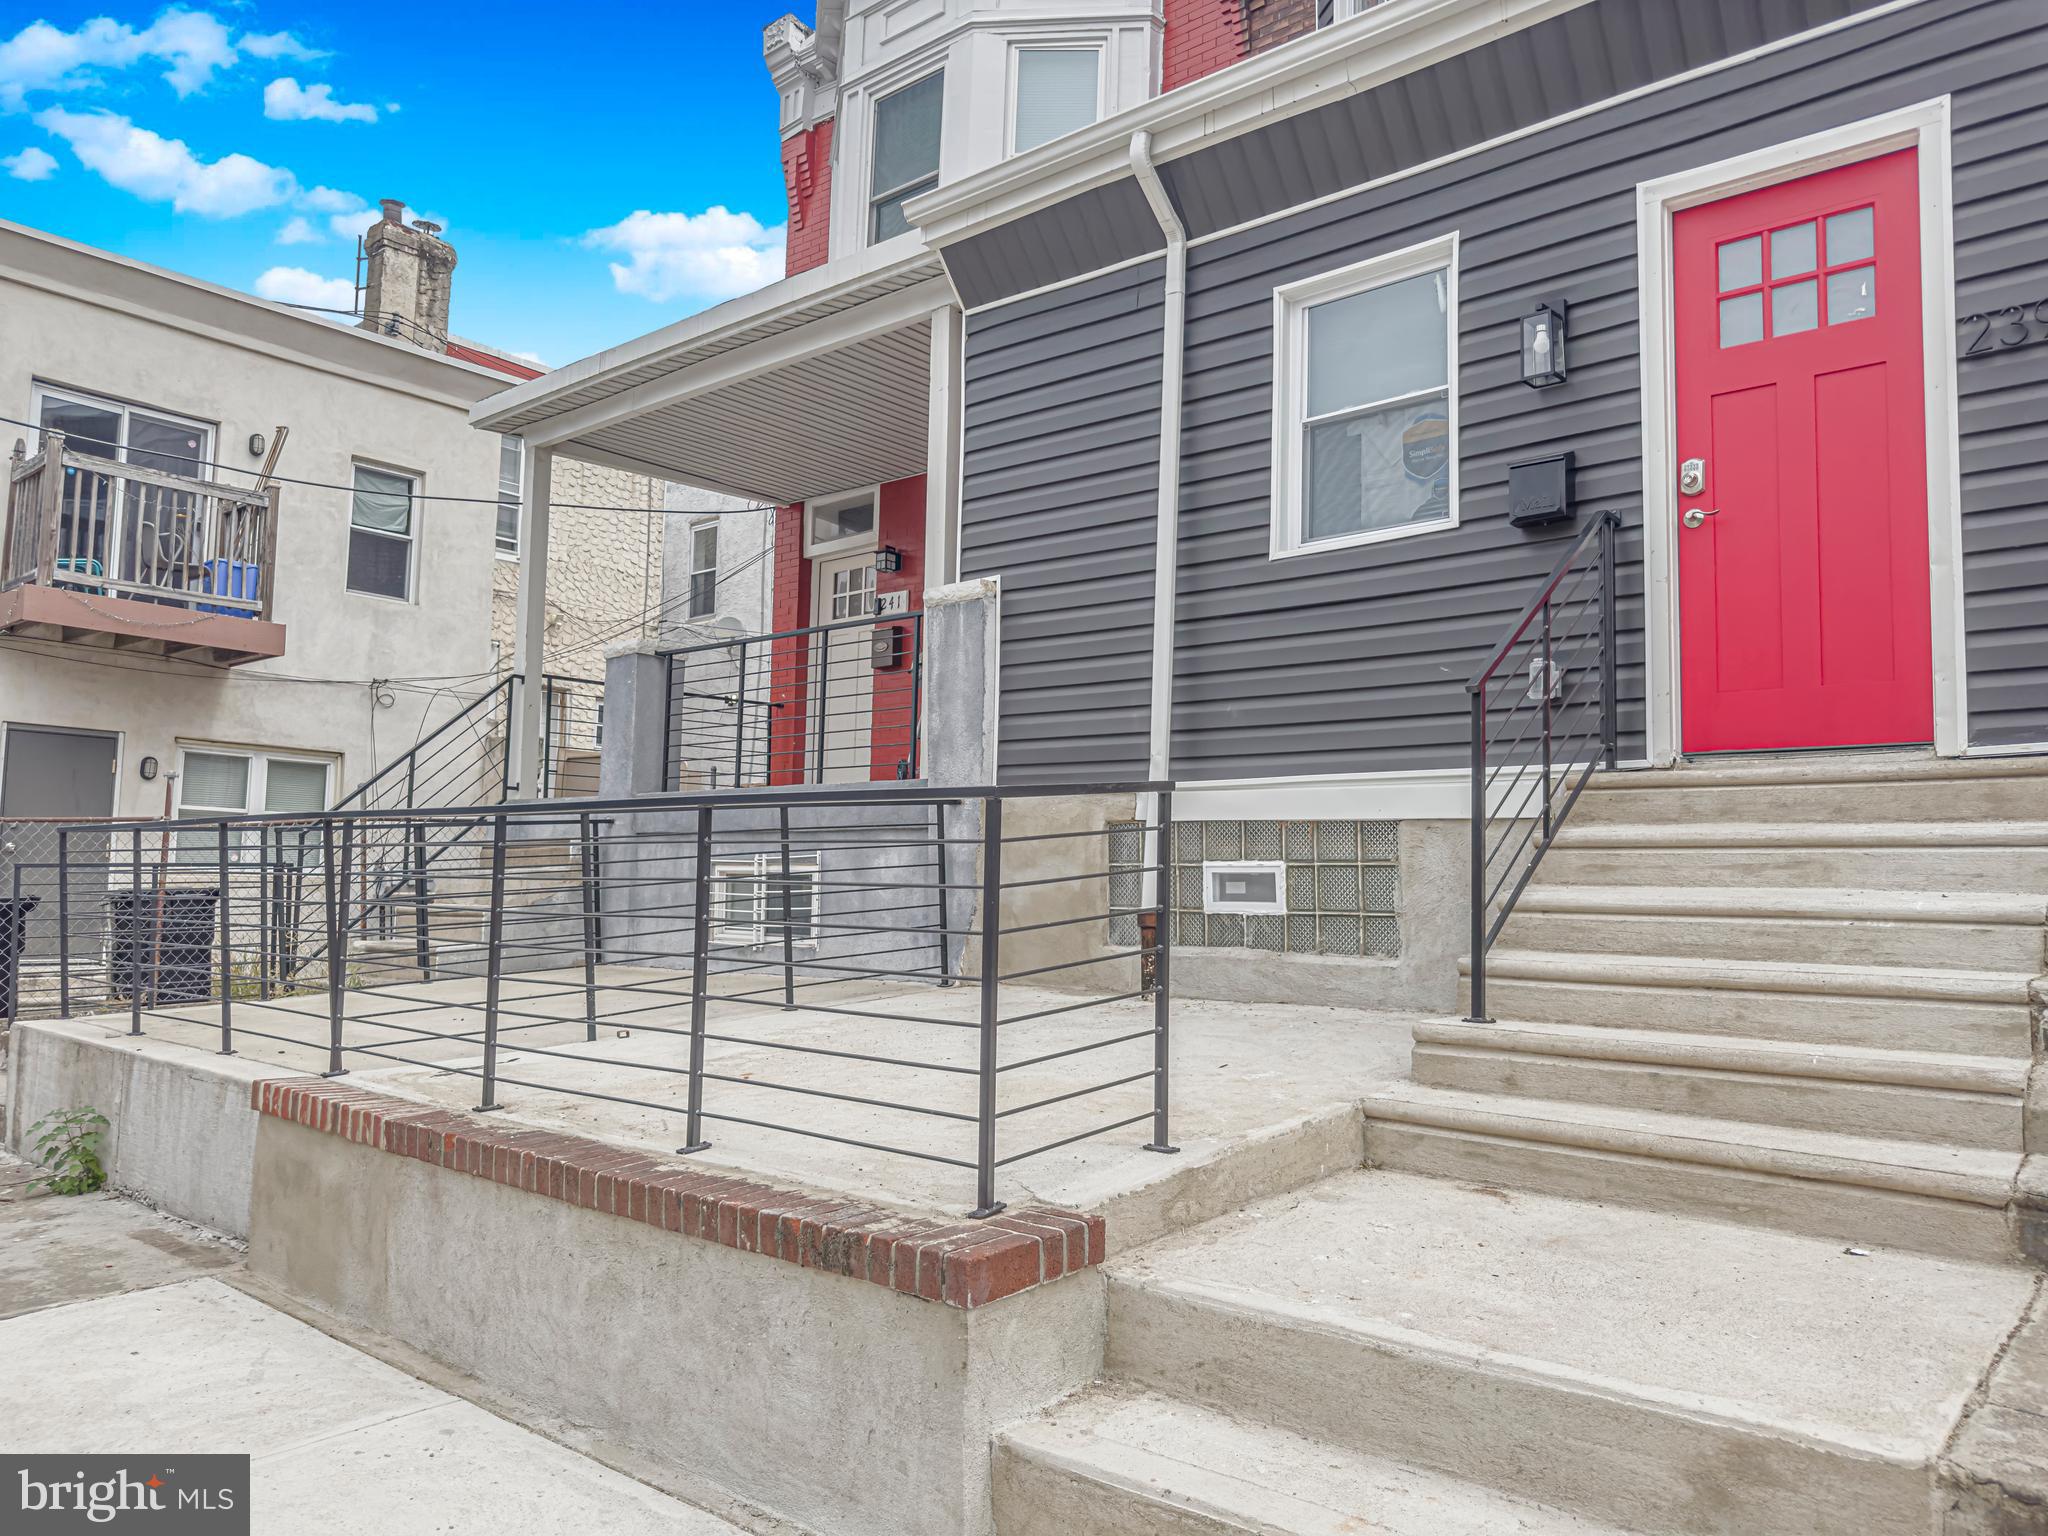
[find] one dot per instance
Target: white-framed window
(115, 429)
(1365, 402)
(381, 533)
(904, 152)
(1053, 91)
(227, 781)
(511, 483)
(703, 600)
(840, 524)
(752, 904)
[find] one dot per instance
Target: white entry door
(842, 677)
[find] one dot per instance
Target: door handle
(1694, 516)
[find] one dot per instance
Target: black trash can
(13, 939)
(175, 927)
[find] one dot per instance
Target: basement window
(752, 904)
(1247, 889)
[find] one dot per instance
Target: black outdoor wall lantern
(1543, 333)
(888, 559)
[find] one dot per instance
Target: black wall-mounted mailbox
(886, 651)
(1540, 491)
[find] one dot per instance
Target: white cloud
(31, 164)
(277, 45)
(41, 57)
(286, 101)
(162, 170)
(299, 230)
(712, 255)
(295, 285)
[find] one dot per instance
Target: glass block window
(1343, 886)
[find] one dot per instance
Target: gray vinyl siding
(1354, 661)
(1061, 487)
(1096, 229)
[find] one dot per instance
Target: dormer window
(906, 157)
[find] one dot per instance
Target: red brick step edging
(957, 1264)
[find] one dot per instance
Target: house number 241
(2013, 326)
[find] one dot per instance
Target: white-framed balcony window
(222, 781)
(752, 904)
(1053, 91)
(381, 533)
(1365, 402)
(904, 159)
(511, 484)
(120, 528)
(703, 599)
(837, 525)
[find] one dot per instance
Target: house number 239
(2013, 326)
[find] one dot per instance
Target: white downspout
(1166, 555)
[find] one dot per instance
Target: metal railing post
(135, 939)
(739, 723)
(916, 697)
(824, 701)
(788, 926)
(337, 961)
(63, 923)
(422, 928)
(1610, 681)
(587, 851)
(985, 1202)
(943, 863)
(1476, 1013)
(1162, 978)
(1544, 677)
(227, 955)
(265, 911)
(700, 973)
(494, 963)
(16, 938)
(671, 764)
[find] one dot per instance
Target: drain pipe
(1166, 555)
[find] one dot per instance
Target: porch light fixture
(147, 768)
(1543, 334)
(888, 560)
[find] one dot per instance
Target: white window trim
(259, 760)
(411, 535)
(1211, 903)
(1924, 127)
(847, 546)
(761, 867)
(1291, 304)
(1013, 92)
(691, 573)
(510, 556)
(870, 198)
(39, 392)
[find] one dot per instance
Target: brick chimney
(412, 271)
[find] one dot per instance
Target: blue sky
(601, 170)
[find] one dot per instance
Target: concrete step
(1660, 1372)
(1892, 1007)
(1833, 787)
(1969, 930)
(1985, 856)
(1972, 1101)
(1869, 1191)
(1118, 1461)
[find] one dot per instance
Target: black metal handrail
(1545, 713)
(756, 710)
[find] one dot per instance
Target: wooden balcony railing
(98, 527)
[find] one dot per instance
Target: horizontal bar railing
(829, 703)
(109, 528)
(1545, 713)
(935, 976)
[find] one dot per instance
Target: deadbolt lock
(1692, 477)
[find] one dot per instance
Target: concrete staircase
(1794, 992)
(1709, 1233)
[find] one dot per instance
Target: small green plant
(67, 1145)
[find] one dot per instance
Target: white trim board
(1925, 128)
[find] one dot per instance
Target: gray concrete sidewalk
(120, 1336)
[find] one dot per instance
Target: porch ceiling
(815, 384)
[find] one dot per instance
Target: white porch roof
(815, 384)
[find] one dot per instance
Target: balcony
(120, 557)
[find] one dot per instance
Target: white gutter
(1166, 554)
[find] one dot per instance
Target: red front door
(1802, 538)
